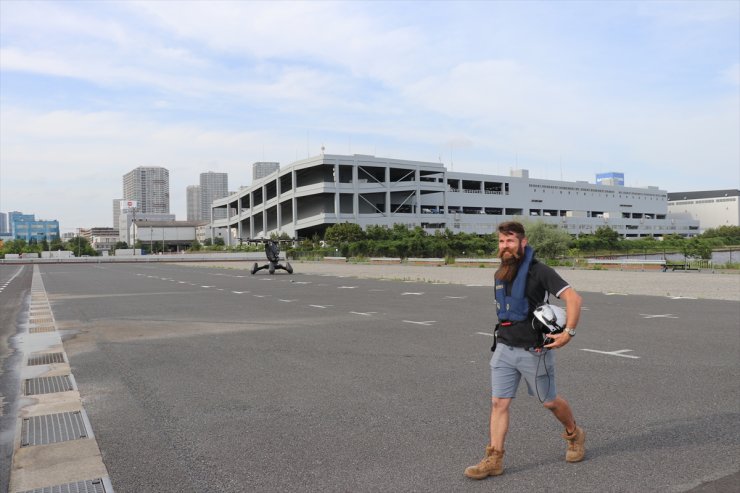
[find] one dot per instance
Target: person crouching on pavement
(521, 284)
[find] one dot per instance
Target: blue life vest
(514, 307)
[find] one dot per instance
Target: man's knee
(500, 403)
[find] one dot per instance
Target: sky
(90, 90)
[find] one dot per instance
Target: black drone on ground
(272, 251)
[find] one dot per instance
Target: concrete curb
(54, 464)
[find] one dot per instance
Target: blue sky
(90, 90)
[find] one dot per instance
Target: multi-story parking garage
(310, 195)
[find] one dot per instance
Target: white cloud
(197, 86)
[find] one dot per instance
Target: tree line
(400, 241)
(550, 242)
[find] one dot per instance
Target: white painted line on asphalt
(615, 294)
(320, 306)
(613, 353)
(455, 297)
(260, 295)
(346, 287)
(206, 286)
(484, 334)
(377, 290)
(240, 292)
(220, 289)
(364, 314)
(475, 285)
(411, 294)
(301, 282)
(428, 322)
(681, 298)
(667, 315)
(287, 301)
(181, 282)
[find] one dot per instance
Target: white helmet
(552, 318)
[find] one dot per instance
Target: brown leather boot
(491, 465)
(576, 449)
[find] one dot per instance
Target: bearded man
(519, 348)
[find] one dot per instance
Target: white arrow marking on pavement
(613, 353)
(484, 334)
(667, 315)
(320, 306)
(414, 294)
(428, 322)
(366, 314)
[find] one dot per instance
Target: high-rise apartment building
(150, 187)
(3, 223)
(262, 169)
(212, 186)
(193, 203)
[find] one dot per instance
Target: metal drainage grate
(46, 359)
(48, 385)
(89, 486)
(52, 428)
(41, 328)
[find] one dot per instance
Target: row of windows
(596, 190)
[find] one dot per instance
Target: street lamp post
(133, 227)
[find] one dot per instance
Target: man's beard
(510, 262)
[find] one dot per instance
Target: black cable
(537, 371)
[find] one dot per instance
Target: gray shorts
(510, 364)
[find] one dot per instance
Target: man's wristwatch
(571, 332)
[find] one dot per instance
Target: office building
(4, 223)
(194, 205)
(150, 188)
(116, 211)
(263, 169)
(27, 227)
(212, 186)
(310, 195)
(712, 208)
(102, 239)
(126, 219)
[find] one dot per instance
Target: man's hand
(558, 340)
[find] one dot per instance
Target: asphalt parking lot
(203, 379)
